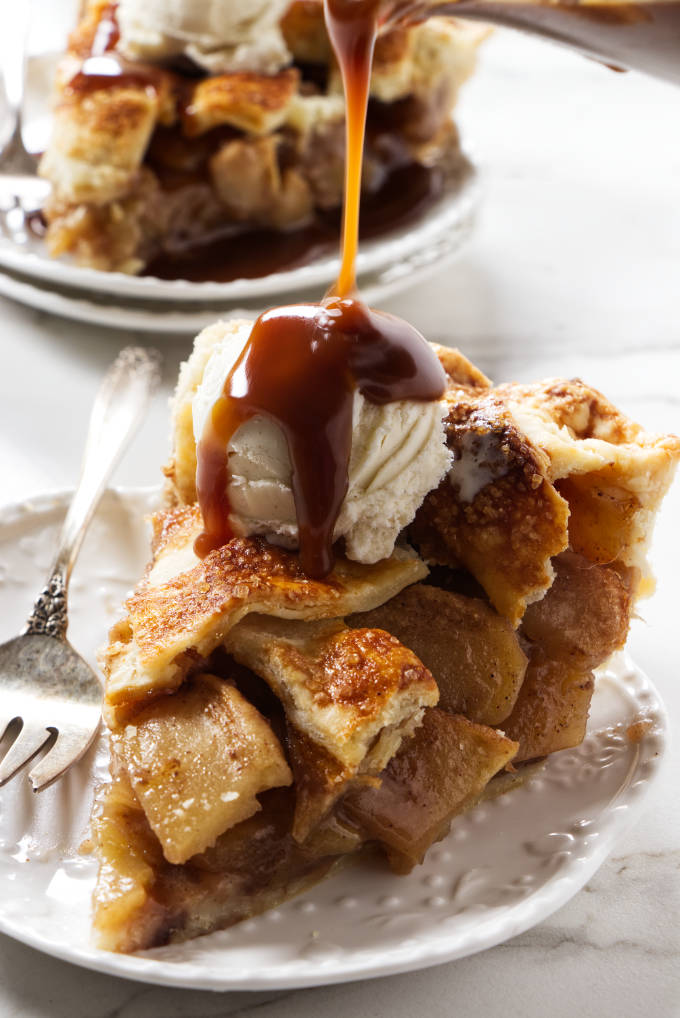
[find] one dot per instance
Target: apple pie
(266, 726)
(162, 151)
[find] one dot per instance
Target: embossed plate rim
(569, 868)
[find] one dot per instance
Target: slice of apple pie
(178, 127)
(266, 725)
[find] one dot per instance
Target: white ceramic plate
(61, 286)
(505, 866)
(179, 317)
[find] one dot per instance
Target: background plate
(438, 232)
(505, 865)
(180, 316)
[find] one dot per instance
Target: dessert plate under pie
(505, 865)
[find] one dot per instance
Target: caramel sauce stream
(302, 365)
(352, 27)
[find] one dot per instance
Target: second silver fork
(22, 193)
(14, 157)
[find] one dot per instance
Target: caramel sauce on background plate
(235, 252)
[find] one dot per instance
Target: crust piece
(350, 697)
(184, 607)
(539, 468)
(197, 762)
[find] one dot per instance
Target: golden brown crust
(350, 696)
(383, 666)
(613, 473)
(461, 374)
(511, 522)
(184, 607)
(343, 680)
(255, 103)
(574, 405)
(472, 652)
(99, 141)
(539, 468)
(81, 39)
(305, 32)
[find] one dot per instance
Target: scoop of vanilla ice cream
(218, 35)
(399, 454)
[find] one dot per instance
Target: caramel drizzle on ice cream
(302, 364)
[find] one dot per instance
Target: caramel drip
(105, 68)
(352, 28)
(300, 368)
(302, 365)
(107, 35)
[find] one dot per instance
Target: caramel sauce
(237, 252)
(111, 70)
(300, 368)
(105, 67)
(302, 365)
(107, 34)
(352, 28)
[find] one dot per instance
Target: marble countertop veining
(574, 269)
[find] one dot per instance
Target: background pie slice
(159, 159)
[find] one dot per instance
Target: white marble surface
(574, 270)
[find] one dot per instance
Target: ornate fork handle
(118, 408)
(50, 615)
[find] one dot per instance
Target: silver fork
(44, 684)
